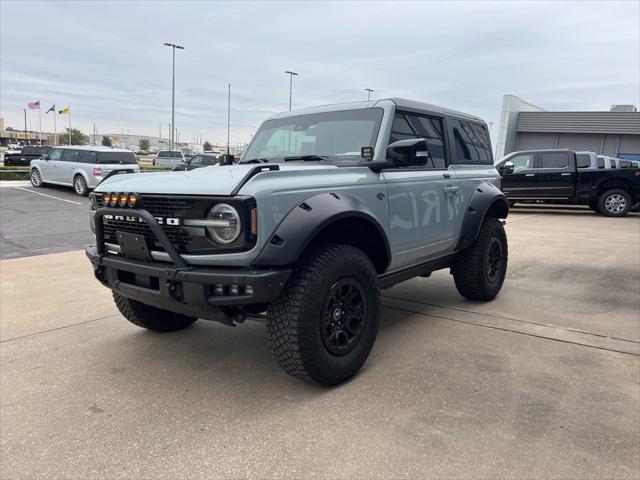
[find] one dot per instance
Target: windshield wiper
(306, 158)
(255, 160)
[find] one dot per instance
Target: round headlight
(226, 224)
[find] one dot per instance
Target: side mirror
(226, 159)
(414, 151)
(506, 168)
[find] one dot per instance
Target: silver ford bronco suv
(327, 206)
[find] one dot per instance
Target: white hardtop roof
(399, 102)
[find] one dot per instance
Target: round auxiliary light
(122, 199)
(228, 222)
(105, 199)
(132, 200)
(113, 199)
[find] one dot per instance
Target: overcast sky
(107, 61)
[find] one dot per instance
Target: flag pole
(69, 113)
(55, 126)
(228, 119)
(40, 123)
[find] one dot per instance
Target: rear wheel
(479, 271)
(323, 325)
(36, 179)
(614, 203)
(80, 186)
(151, 318)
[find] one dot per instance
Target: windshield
(118, 157)
(169, 154)
(329, 134)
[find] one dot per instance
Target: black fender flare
(299, 227)
(483, 198)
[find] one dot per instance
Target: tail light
(97, 171)
(638, 173)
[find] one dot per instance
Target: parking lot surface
(543, 382)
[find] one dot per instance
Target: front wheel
(614, 203)
(479, 271)
(36, 178)
(323, 325)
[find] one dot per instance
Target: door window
(522, 162)
(471, 142)
(408, 126)
(55, 154)
(197, 160)
(69, 155)
(554, 160)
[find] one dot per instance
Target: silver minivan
(82, 168)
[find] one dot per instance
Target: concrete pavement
(541, 383)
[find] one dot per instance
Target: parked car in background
(24, 157)
(83, 168)
(561, 176)
(168, 158)
(198, 161)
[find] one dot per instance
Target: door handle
(451, 189)
(565, 174)
(529, 174)
(446, 175)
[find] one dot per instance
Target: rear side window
(407, 126)
(471, 141)
(625, 164)
(87, 156)
(600, 162)
(583, 161)
(69, 155)
(121, 158)
(554, 160)
(169, 154)
(29, 150)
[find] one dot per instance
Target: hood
(214, 180)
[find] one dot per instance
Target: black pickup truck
(562, 176)
(28, 153)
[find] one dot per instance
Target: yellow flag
(64, 111)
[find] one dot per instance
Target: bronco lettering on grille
(160, 220)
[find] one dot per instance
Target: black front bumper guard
(177, 286)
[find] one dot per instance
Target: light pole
(369, 93)
(291, 74)
(173, 89)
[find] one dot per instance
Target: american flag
(34, 105)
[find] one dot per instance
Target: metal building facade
(615, 133)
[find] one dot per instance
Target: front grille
(176, 235)
(158, 207)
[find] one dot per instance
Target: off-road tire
(471, 271)
(149, 317)
(614, 203)
(36, 178)
(295, 319)
(80, 186)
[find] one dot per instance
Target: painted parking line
(49, 196)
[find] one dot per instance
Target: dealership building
(524, 126)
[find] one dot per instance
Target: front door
(49, 167)
(556, 175)
(421, 194)
(522, 182)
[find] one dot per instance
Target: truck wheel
(149, 317)
(479, 270)
(323, 325)
(36, 179)
(614, 203)
(80, 186)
